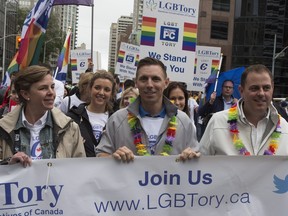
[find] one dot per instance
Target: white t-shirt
(59, 90)
(192, 106)
(35, 147)
(152, 127)
(98, 122)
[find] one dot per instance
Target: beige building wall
(206, 15)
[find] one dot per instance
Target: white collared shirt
(227, 104)
(258, 130)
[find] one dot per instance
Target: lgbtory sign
(169, 33)
(128, 58)
(210, 185)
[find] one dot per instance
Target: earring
(28, 99)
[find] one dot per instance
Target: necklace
(141, 148)
(237, 142)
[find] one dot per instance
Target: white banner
(169, 33)
(128, 58)
(211, 185)
(207, 61)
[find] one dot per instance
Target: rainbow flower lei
(237, 142)
(141, 148)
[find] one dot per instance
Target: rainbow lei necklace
(141, 148)
(237, 142)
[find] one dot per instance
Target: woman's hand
(21, 157)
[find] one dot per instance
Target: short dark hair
(228, 80)
(128, 83)
(257, 68)
(150, 61)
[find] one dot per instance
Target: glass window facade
(255, 25)
(221, 5)
(219, 30)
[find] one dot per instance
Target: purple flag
(212, 77)
(73, 2)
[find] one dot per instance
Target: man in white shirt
(253, 125)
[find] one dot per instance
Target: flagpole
(218, 72)
(56, 72)
(92, 29)
(4, 41)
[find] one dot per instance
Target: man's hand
(212, 97)
(124, 154)
(188, 154)
(235, 100)
(21, 157)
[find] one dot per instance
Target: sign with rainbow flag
(206, 62)
(128, 58)
(169, 33)
(80, 60)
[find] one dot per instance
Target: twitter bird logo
(281, 185)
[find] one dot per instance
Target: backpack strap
(69, 103)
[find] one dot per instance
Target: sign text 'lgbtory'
(180, 8)
(21, 197)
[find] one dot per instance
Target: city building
(68, 18)
(215, 27)
(112, 47)
(119, 32)
(137, 15)
(8, 13)
(260, 28)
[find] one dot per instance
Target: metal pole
(92, 29)
(4, 41)
(45, 43)
(274, 53)
(44, 52)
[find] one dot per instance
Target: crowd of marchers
(148, 115)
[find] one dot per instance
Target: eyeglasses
(228, 87)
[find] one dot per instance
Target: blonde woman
(127, 95)
(81, 95)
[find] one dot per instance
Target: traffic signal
(18, 41)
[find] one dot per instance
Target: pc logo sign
(130, 58)
(169, 34)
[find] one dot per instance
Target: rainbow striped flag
(63, 60)
(148, 31)
(215, 65)
(74, 64)
(13, 67)
(195, 66)
(189, 37)
(136, 60)
(33, 31)
(121, 55)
